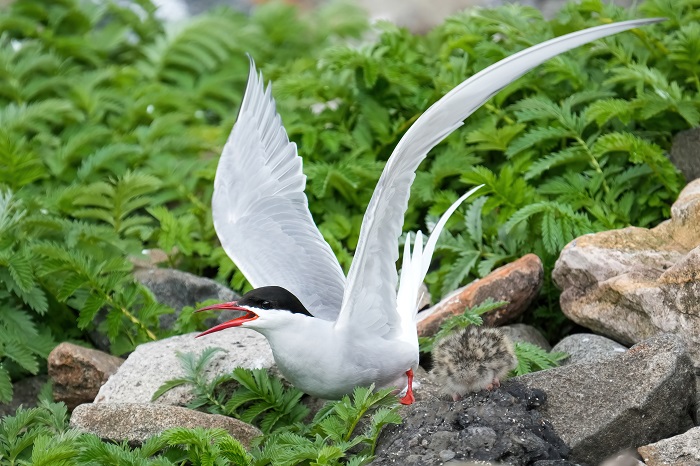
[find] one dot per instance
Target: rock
(178, 289)
(25, 393)
(487, 426)
(136, 422)
(641, 396)
(633, 283)
(518, 283)
(587, 347)
(681, 450)
(685, 153)
(78, 373)
(152, 364)
(526, 333)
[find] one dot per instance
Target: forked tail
(415, 267)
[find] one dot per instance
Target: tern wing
(261, 213)
(369, 301)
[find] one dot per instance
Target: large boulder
(136, 422)
(518, 283)
(78, 372)
(633, 283)
(153, 364)
(641, 396)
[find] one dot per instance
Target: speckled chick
(472, 359)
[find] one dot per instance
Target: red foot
(408, 398)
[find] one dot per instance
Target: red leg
(408, 398)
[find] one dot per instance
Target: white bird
(329, 334)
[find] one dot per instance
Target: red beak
(232, 306)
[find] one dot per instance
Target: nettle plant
(112, 124)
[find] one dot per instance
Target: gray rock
(588, 347)
(78, 372)
(486, 426)
(641, 396)
(25, 393)
(685, 153)
(526, 333)
(135, 422)
(681, 450)
(152, 364)
(179, 289)
(176, 289)
(632, 283)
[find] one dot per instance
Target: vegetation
(111, 124)
(334, 434)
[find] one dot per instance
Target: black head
(273, 297)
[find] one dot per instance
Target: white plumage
(362, 330)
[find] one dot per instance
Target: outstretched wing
(369, 301)
(261, 213)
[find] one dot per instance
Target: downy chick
(472, 359)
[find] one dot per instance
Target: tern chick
(472, 359)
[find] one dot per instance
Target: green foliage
(470, 316)
(110, 126)
(259, 399)
(40, 436)
(263, 400)
(532, 358)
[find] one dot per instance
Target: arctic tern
(329, 333)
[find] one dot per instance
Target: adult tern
(329, 334)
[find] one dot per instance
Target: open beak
(232, 306)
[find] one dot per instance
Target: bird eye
(266, 305)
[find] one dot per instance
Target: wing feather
(261, 213)
(369, 301)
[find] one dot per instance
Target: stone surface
(641, 396)
(633, 283)
(681, 450)
(178, 289)
(588, 347)
(135, 422)
(499, 426)
(25, 393)
(78, 372)
(518, 283)
(685, 153)
(526, 333)
(152, 364)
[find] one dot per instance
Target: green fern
(532, 358)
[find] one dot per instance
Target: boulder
(497, 426)
(179, 289)
(526, 333)
(587, 347)
(518, 283)
(681, 450)
(685, 153)
(633, 283)
(136, 422)
(78, 373)
(626, 401)
(153, 364)
(176, 289)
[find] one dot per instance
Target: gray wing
(261, 213)
(369, 301)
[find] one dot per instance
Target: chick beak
(232, 306)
